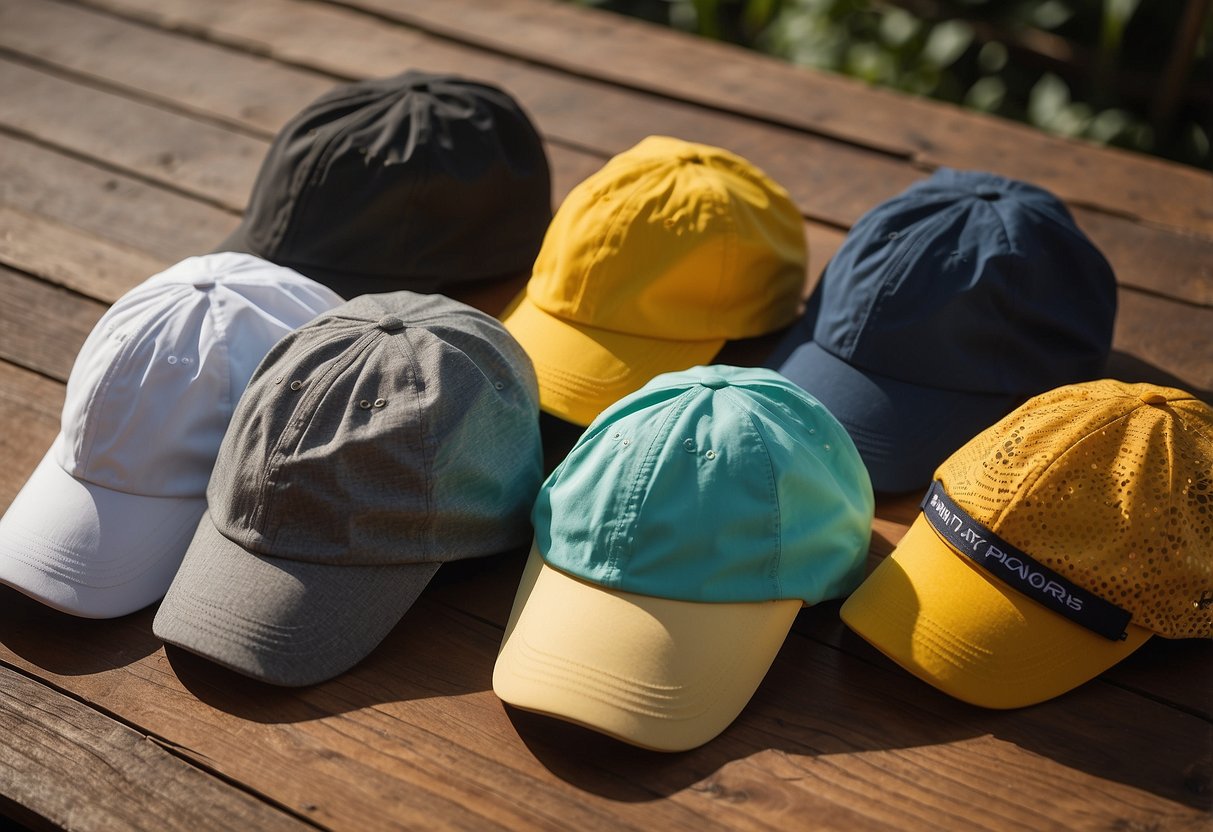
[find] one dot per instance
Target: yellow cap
(649, 266)
(659, 673)
(1107, 489)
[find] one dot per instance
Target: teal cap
(715, 484)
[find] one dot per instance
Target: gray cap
(388, 436)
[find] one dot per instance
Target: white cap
(104, 521)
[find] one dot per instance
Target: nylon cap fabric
(1109, 485)
(650, 265)
(944, 309)
(100, 527)
(673, 548)
(420, 182)
(391, 435)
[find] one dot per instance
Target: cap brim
(583, 370)
(661, 674)
(965, 632)
(91, 551)
(903, 431)
(282, 621)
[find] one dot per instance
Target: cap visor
(282, 621)
(583, 370)
(91, 551)
(661, 674)
(903, 431)
(968, 634)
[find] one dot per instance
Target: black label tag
(1020, 570)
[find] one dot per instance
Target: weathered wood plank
(82, 770)
(1176, 265)
(162, 146)
(589, 115)
(831, 182)
(42, 326)
(353, 746)
(1172, 337)
(648, 57)
(30, 406)
(72, 258)
(192, 75)
(414, 733)
(100, 232)
(110, 206)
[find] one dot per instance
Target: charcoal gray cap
(390, 435)
(422, 182)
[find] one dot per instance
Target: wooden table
(130, 133)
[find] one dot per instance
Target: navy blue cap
(944, 309)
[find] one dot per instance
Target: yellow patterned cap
(1052, 545)
(649, 266)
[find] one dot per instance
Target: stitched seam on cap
(303, 178)
(601, 252)
(424, 429)
(775, 497)
(729, 241)
(102, 388)
(261, 512)
(221, 343)
(612, 690)
(632, 506)
(915, 244)
(64, 564)
(999, 366)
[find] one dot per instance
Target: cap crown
(398, 428)
(1110, 485)
(430, 179)
(674, 240)
(714, 484)
(970, 282)
(155, 384)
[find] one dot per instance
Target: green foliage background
(1094, 69)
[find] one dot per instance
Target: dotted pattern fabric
(1109, 484)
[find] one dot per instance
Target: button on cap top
(989, 195)
(390, 323)
(1153, 398)
(204, 283)
(714, 382)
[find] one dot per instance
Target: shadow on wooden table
(1130, 368)
(70, 646)
(829, 693)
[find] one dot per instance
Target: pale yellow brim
(661, 674)
(959, 628)
(583, 370)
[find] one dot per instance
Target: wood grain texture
(836, 736)
(81, 770)
(643, 56)
(72, 258)
(30, 405)
(832, 183)
(414, 732)
(115, 207)
(159, 145)
(35, 337)
(192, 75)
(1174, 338)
